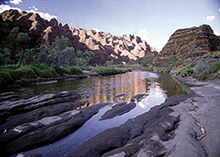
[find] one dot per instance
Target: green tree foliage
(11, 43)
(64, 57)
(22, 44)
(59, 54)
(4, 57)
(4, 31)
(42, 56)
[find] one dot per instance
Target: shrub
(5, 77)
(60, 70)
(109, 70)
(186, 71)
(75, 71)
(23, 72)
(214, 67)
(144, 64)
(202, 70)
(170, 67)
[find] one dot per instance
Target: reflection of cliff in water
(104, 89)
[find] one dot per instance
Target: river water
(104, 89)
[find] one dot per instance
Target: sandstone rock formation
(105, 45)
(190, 40)
(186, 41)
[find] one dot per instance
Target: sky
(153, 20)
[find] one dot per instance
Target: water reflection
(103, 89)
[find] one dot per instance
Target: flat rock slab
(9, 105)
(206, 91)
(118, 110)
(46, 130)
(38, 114)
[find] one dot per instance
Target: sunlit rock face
(190, 40)
(120, 49)
(186, 41)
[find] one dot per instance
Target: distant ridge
(120, 49)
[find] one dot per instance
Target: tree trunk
(22, 57)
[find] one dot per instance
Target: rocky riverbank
(183, 122)
(185, 125)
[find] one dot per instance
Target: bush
(75, 71)
(170, 67)
(5, 77)
(89, 68)
(214, 67)
(60, 70)
(202, 70)
(186, 71)
(23, 72)
(109, 70)
(144, 64)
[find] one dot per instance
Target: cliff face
(186, 41)
(105, 45)
(190, 40)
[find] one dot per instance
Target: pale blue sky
(153, 20)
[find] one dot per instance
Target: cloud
(15, 1)
(7, 7)
(46, 16)
(143, 33)
(33, 9)
(219, 10)
(217, 33)
(97, 30)
(210, 18)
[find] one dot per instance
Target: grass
(109, 70)
(11, 73)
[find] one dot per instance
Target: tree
(58, 46)
(59, 54)
(4, 57)
(65, 57)
(22, 43)
(4, 31)
(42, 56)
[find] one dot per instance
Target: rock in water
(118, 110)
